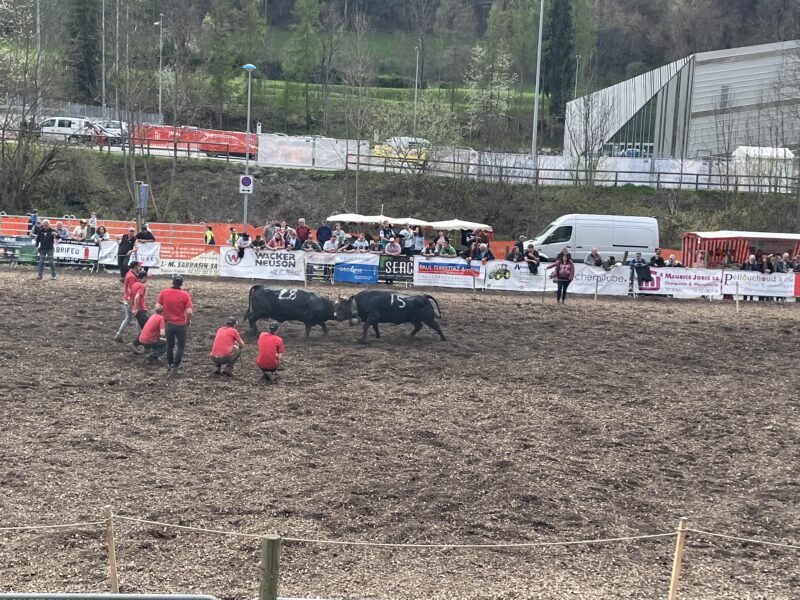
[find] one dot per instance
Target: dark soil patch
(532, 423)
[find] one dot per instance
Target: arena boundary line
(271, 546)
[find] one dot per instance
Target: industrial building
(703, 106)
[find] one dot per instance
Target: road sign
(246, 184)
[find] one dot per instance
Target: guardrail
(727, 180)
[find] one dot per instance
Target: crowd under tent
(710, 248)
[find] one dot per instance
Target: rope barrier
(748, 540)
(390, 545)
(64, 526)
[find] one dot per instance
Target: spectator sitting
(100, 235)
(796, 264)
(609, 263)
(751, 264)
(533, 260)
(515, 255)
(310, 245)
(292, 241)
(470, 251)
(375, 247)
(393, 248)
(302, 231)
(276, 243)
(243, 242)
(331, 245)
(672, 262)
(593, 258)
(361, 244)
(62, 231)
(657, 260)
(145, 235)
(520, 243)
(441, 239)
(766, 265)
(483, 254)
(783, 265)
(447, 250)
(259, 242)
(638, 261)
(324, 233)
(430, 249)
(348, 245)
(81, 231)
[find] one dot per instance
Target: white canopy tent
(459, 224)
(378, 219)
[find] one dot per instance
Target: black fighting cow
(377, 306)
(288, 305)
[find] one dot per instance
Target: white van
(59, 129)
(612, 235)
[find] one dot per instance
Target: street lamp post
(536, 91)
(577, 69)
(160, 24)
(416, 89)
(249, 68)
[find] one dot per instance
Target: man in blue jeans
(45, 244)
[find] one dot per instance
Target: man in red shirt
(227, 347)
(138, 305)
(177, 305)
(270, 352)
(127, 282)
(303, 230)
(152, 336)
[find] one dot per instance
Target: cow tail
(249, 304)
(436, 303)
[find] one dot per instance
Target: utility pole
(577, 69)
(245, 197)
(38, 100)
(160, 24)
(536, 90)
(103, 58)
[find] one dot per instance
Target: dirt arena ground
(533, 422)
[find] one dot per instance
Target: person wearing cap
(227, 348)
(270, 352)
(177, 305)
(657, 260)
(126, 244)
(152, 336)
(302, 231)
(324, 233)
(45, 245)
(138, 303)
(145, 235)
(393, 248)
(131, 277)
(81, 231)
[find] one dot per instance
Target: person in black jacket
(657, 260)
(45, 243)
(124, 250)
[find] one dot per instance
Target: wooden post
(270, 565)
(112, 553)
(676, 562)
(305, 271)
(596, 286)
(737, 296)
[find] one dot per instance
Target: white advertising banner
(753, 283)
(75, 251)
(202, 265)
(588, 279)
(147, 253)
(687, 283)
(516, 277)
(321, 258)
(448, 272)
(108, 253)
(262, 264)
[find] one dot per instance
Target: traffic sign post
(245, 184)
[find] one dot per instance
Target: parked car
(404, 149)
(112, 132)
(71, 129)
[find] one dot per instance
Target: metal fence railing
(58, 108)
(725, 178)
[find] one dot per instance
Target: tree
(84, 55)
(489, 81)
(559, 56)
(456, 28)
(332, 31)
(305, 46)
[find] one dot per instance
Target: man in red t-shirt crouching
(270, 351)
(227, 348)
(152, 336)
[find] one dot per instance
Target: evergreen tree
(84, 50)
(305, 46)
(558, 58)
